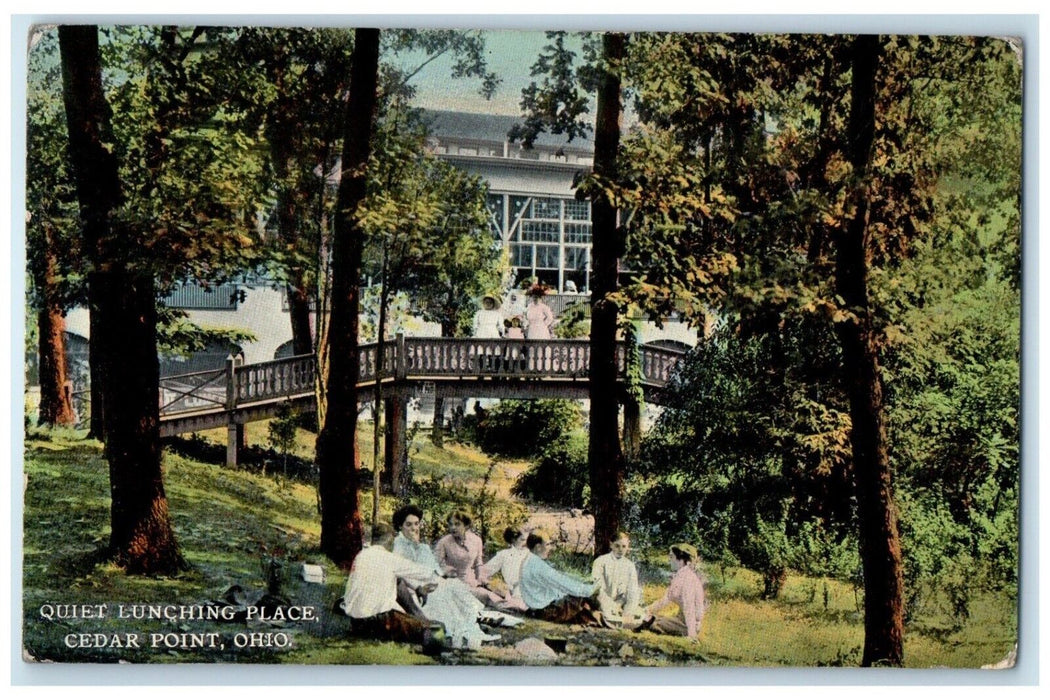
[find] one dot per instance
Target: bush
(525, 428)
(439, 497)
(560, 475)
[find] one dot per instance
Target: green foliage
(558, 104)
(440, 496)
(559, 476)
(428, 226)
(516, 428)
(179, 337)
(52, 215)
(282, 429)
(190, 175)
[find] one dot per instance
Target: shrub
(526, 428)
(560, 475)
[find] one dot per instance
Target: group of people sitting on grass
(401, 589)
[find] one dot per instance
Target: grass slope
(231, 523)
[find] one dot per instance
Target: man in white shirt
(371, 591)
(619, 594)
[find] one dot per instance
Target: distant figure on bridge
(515, 304)
(488, 322)
(539, 319)
(512, 329)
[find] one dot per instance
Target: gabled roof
(445, 124)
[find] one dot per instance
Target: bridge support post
(234, 442)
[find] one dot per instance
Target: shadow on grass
(251, 458)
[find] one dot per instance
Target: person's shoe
(645, 624)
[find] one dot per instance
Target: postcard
(438, 347)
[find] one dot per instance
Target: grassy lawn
(231, 523)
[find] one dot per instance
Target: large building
(546, 230)
(534, 213)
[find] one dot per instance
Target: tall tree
(52, 245)
(604, 454)
(557, 105)
(337, 450)
(123, 298)
(879, 539)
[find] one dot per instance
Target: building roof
(445, 124)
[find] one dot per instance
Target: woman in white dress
(488, 321)
(451, 603)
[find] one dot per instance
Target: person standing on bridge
(539, 319)
(488, 321)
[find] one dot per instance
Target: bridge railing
(658, 365)
(233, 385)
(274, 379)
(193, 391)
(456, 357)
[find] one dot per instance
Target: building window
(539, 231)
(577, 211)
(578, 233)
(546, 208)
(521, 255)
(547, 257)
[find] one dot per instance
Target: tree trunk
(56, 404)
(604, 455)
(142, 540)
(632, 429)
(299, 315)
(879, 541)
(124, 329)
(337, 449)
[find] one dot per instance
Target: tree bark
(299, 315)
(124, 340)
(97, 428)
(337, 449)
(56, 404)
(879, 541)
(142, 539)
(604, 455)
(437, 425)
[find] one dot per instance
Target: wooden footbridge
(412, 367)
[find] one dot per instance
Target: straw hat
(685, 548)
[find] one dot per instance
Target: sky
(509, 53)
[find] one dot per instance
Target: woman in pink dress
(459, 554)
(686, 590)
(539, 319)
